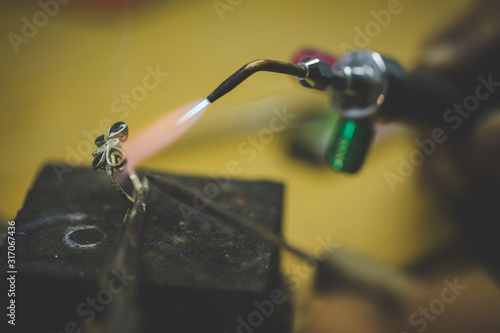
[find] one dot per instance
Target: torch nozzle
(265, 65)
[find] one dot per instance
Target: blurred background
(64, 75)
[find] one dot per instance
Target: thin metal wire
(187, 196)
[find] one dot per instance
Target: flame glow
(163, 132)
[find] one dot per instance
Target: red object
(314, 54)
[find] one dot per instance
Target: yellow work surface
(61, 86)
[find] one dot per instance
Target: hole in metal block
(84, 237)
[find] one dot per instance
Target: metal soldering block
(196, 273)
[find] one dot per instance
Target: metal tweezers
(123, 315)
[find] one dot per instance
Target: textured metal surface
(195, 272)
(222, 257)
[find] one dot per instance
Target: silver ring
(109, 154)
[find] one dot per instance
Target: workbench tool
(340, 269)
(168, 265)
(366, 87)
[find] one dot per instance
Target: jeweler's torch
(364, 87)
